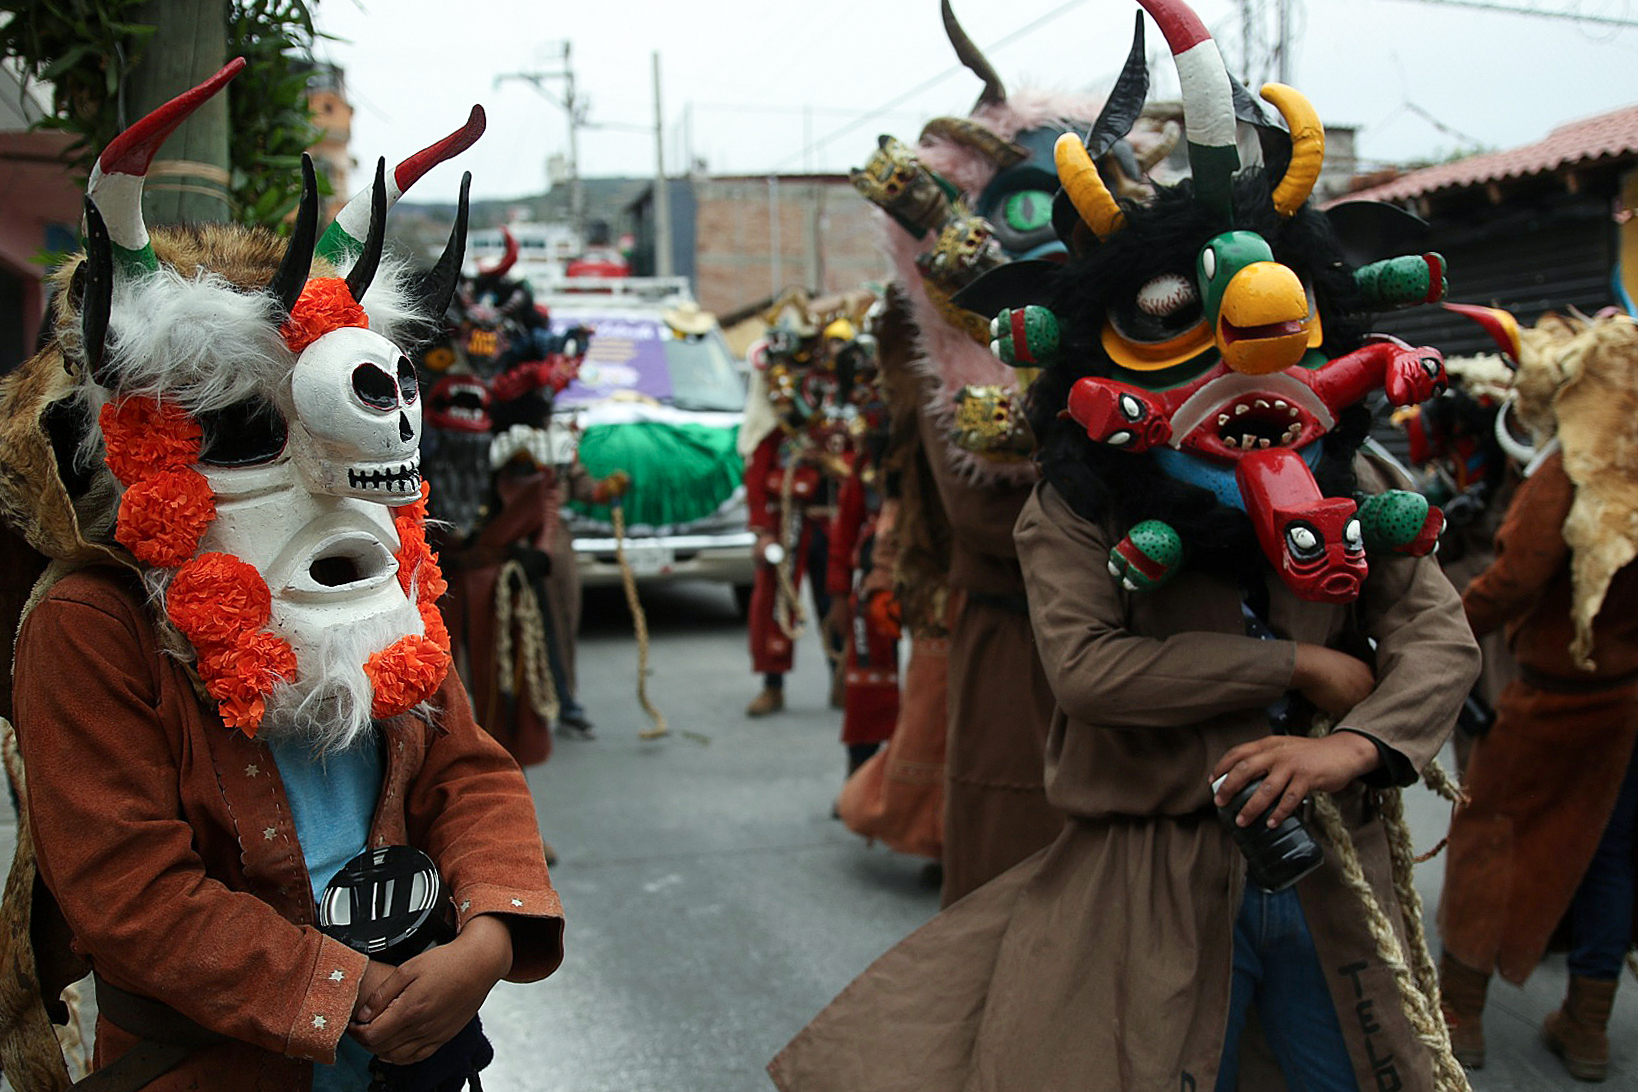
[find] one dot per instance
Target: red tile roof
(1607, 136)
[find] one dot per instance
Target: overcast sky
(752, 86)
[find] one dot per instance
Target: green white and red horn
(117, 176)
(352, 225)
(1208, 103)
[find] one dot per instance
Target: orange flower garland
(220, 604)
(217, 601)
(409, 671)
(325, 304)
(163, 517)
(142, 437)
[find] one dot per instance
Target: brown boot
(1576, 1031)
(1462, 990)
(771, 700)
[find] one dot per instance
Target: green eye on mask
(1028, 210)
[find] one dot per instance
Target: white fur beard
(328, 704)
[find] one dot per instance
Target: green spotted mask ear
(117, 177)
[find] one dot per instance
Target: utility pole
(662, 193)
(576, 111)
(189, 44)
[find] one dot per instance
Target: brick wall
(819, 236)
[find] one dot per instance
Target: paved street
(714, 906)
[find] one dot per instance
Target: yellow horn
(1307, 147)
(1086, 190)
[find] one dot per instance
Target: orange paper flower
(142, 437)
(325, 304)
(257, 659)
(432, 620)
(163, 517)
(215, 598)
(405, 674)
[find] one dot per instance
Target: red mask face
(1314, 541)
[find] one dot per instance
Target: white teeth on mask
(1229, 441)
(1222, 419)
(1261, 404)
(1248, 441)
(1241, 408)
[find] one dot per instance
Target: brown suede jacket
(168, 842)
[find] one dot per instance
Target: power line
(1545, 13)
(900, 100)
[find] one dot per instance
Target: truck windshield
(645, 357)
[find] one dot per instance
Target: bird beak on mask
(1262, 319)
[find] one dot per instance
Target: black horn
(1125, 103)
(97, 294)
(994, 90)
(446, 275)
(363, 271)
(288, 282)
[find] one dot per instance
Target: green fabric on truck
(679, 473)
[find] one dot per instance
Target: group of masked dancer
(1195, 636)
(1178, 637)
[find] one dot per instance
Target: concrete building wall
(755, 237)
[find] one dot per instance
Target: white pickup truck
(658, 396)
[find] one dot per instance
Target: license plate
(648, 559)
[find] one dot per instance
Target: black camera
(1276, 857)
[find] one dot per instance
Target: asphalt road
(714, 906)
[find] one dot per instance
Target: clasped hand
(1293, 766)
(405, 1013)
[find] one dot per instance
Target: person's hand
(615, 485)
(421, 1005)
(1291, 767)
(1334, 681)
(834, 624)
(884, 613)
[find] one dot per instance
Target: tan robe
(1103, 963)
(996, 811)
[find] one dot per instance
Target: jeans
(1277, 968)
(1601, 911)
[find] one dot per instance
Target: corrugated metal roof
(1607, 136)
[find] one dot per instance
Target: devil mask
(1214, 335)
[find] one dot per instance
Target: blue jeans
(1601, 911)
(1277, 968)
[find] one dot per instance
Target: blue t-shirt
(332, 800)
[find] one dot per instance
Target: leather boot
(771, 700)
(1576, 1031)
(1461, 991)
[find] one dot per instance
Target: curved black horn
(446, 275)
(994, 90)
(363, 271)
(97, 294)
(288, 282)
(1125, 101)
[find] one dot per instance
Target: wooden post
(188, 182)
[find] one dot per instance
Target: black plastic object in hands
(387, 903)
(1276, 857)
